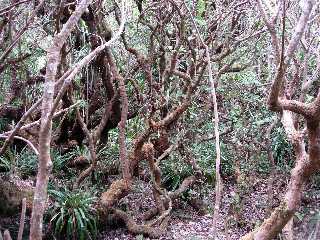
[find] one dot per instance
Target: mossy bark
(12, 191)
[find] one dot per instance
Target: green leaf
(78, 217)
(56, 194)
(83, 214)
(69, 226)
(201, 7)
(54, 216)
(299, 215)
(139, 237)
(59, 225)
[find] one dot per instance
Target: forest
(159, 119)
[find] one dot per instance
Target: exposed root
(150, 214)
(156, 227)
(185, 185)
(147, 230)
(148, 151)
(85, 173)
(164, 205)
(117, 190)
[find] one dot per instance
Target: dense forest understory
(169, 119)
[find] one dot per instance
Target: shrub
(27, 162)
(73, 215)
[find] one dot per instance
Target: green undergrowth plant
(282, 150)
(315, 182)
(176, 169)
(263, 164)
(5, 164)
(3, 122)
(73, 216)
(174, 172)
(78, 151)
(26, 162)
(314, 228)
(59, 162)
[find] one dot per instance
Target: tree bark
(45, 163)
(306, 164)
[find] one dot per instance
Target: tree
(281, 99)
(140, 82)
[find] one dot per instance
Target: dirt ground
(244, 207)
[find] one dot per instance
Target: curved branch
(296, 106)
(25, 140)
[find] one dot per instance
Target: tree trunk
(306, 165)
(45, 163)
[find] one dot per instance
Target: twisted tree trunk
(306, 164)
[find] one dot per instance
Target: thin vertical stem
(218, 185)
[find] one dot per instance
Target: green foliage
(315, 181)
(174, 172)
(315, 221)
(73, 216)
(7, 160)
(140, 237)
(201, 7)
(109, 154)
(282, 150)
(3, 123)
(59, 161)
(78, 151)
(5, 164)
(263, 164)
(227, 163)
(27, 162)
(32, 92)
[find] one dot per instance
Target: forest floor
(244, 206)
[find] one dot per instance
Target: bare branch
(20, 33)
(307, 6)
(25, 140)
(18, 126)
